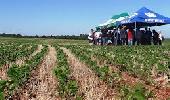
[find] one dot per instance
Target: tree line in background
(80, 37)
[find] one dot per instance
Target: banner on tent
(150, 14)
(154, 20)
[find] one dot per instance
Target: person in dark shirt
(104, 36)
(149, 34)
(138, 36)
(113, 36)
(155, 37)
(147, 37)
(123, 36)
(134, 37)
(143, 39)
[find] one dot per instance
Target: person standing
(115, 32)
(149, 33)
(109, 37)
(91, 36)
(113, 36)
(160, 38)
(130, 37)
(145, 37)
(148, 36)
(138, 36)
(155, 37)
(117, 36)
(143, 40)
(97, 37)
(134, 37)
(123, 35)
(104, 36)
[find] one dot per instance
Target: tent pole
(135, 28)
(135, 25)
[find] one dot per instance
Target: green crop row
(12, 52)
(18, 75)
(139, 61)
(102, 72)
(67, 87)
(111, 78)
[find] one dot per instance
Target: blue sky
(56, 17)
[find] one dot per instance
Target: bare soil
(89, 83)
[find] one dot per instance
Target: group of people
(125, 36)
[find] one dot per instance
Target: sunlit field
(72, 69)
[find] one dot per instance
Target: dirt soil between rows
(42, 84)
(89, 83)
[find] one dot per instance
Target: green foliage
(138, 92)
(79, 98)
(138, 61)
(67, 86)
(2, 96)
(103, 72)
(19, 74)
(2, 85)
(10, 52)
(72, 87)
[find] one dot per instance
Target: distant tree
(36, 36)
(44, 36)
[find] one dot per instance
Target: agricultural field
(56, 69)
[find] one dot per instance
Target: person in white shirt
(91, 36)
(97, 37)
(160, 38)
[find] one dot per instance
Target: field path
(42, 84)
(19, 62)
(90, 85)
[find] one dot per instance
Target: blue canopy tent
(145, 17)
